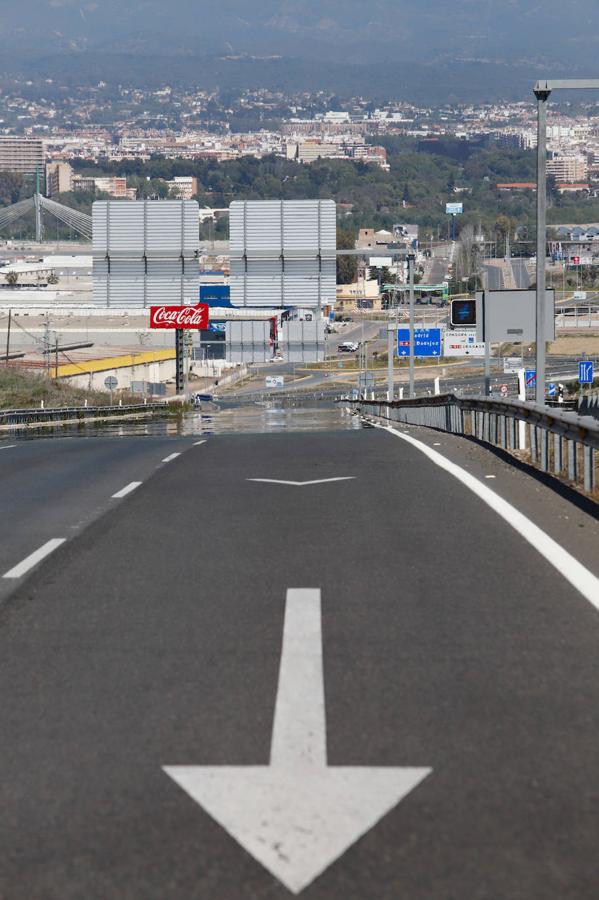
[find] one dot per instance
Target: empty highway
(346, 665)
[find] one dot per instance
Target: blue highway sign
(530, 377)
(427, 342)
(585, 371)
(551, 390)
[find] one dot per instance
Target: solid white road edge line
(573, 571)
(126, 490)
(171, 457)
(34, 558)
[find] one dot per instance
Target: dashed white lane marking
(490, 476)
(567, 565)
(34, 558)
(171, 457)
(126, 490)
(199, 443)
(8, 447)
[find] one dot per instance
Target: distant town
(106, 124)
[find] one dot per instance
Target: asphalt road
(153, 638)
(521, 273)
(54, 487)
(494, 278)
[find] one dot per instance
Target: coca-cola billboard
(180, 316)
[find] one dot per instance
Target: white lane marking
(34, 558)
(490, 476)
(8, 447)
(126, 490)
(297, 815)
(567, 565)
(171, 457)
(303, 483)
(199, 443)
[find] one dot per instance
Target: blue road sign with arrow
(427, 342)
(530, 377)
(551, 390)
(585, 371)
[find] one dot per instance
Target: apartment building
(183, 187)
(23, 156)
(59, 178)
(568, 169)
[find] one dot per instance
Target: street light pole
(411, 360)
(542, 95)
(542, 91)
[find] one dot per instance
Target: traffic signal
(463, 312)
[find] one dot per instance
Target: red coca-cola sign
(179, 316)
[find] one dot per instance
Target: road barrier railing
(555, 441)
(19, 417)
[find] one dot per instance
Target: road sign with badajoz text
(427, 342)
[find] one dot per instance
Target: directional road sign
(462, 343)
(530, 377)
(111, 383)
(551, 390)
(275, 380)
(427, 342)
(511, 365)
(585, 371)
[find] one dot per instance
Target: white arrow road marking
(302, 483)
(298, 815)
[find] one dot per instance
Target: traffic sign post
(551, 390)
(111, 383)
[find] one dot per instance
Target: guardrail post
(448, 412)
(589, 468)
(558, 461)
(502, 433)
(544, 450)
(572, 467)
(533, 443)
(486, 427)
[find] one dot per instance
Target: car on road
(347, 347)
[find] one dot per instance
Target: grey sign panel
(145, 252)
(283, 253)
(303, 341)
(248, 342)
(510, 316)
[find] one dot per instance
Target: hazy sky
(565, 30)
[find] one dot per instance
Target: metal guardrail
(509, 424)
(16, 417)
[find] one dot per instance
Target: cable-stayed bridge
(78, 221)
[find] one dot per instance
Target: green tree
(347, 266)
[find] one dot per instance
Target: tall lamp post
(542, 91)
